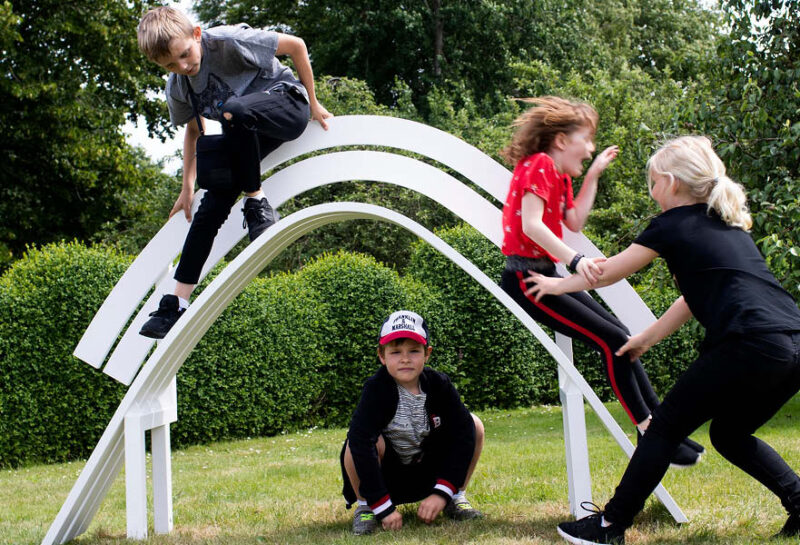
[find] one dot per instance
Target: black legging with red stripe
(580, 317)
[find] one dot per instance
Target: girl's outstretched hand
(543, 285)
(603, 159)
(589, 268)
(635, 347)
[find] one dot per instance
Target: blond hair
(538, 127)
(159, 27)
(692, 161)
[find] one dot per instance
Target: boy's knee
(233, 111)
(348, 456)
(380, 447)
(479, 429)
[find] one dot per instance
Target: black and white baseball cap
(404, 324)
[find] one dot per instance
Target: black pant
(580, 317)
(260, 123)
(738, 384)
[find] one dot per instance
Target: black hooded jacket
(452, 435)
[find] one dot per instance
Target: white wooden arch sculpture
(150, 402)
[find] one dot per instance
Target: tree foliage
(71, 72)
(471, 43)
(750, 103)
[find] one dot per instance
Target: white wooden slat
(166, 360)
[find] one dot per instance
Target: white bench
(150, 400)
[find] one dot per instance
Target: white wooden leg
(579, 479)
(162, 480)
(135, 478)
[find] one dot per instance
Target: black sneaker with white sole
(685, 456)
(694, 445)
(461, 509)
(258, 215)
(590, 530)
(162, 320)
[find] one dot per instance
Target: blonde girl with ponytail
(749, 362)
(692, 161)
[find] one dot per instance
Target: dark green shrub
(428, 303)
(497, 363)
(254, 372)
(53, 407)
(291, 351)
(667, 360)
(358, 294)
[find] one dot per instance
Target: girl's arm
(575, 218)
(615, 268)
(675, 316)
(535, 229)
(296, 49)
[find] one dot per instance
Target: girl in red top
(551, 142)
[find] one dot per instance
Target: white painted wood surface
(143, 407)
(153, 265)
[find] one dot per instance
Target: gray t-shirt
(236, 61)
(409, 426)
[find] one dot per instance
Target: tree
(750, 104)
(71, 72)
(469, 44)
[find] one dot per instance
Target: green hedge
(254, 372)
(358, 294)
(292, 350)
(497, 362)
(53, 407)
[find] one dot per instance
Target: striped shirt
(409, 427)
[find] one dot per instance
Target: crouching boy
(411, 439)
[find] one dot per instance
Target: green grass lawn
(286, 489)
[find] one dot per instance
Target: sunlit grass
(286, 489)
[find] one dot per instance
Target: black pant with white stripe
(580, 317)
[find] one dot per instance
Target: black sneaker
(258, 215)
(694, 445)
(590, 530)
(686, 455)
(163, 319)
(791, 528)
